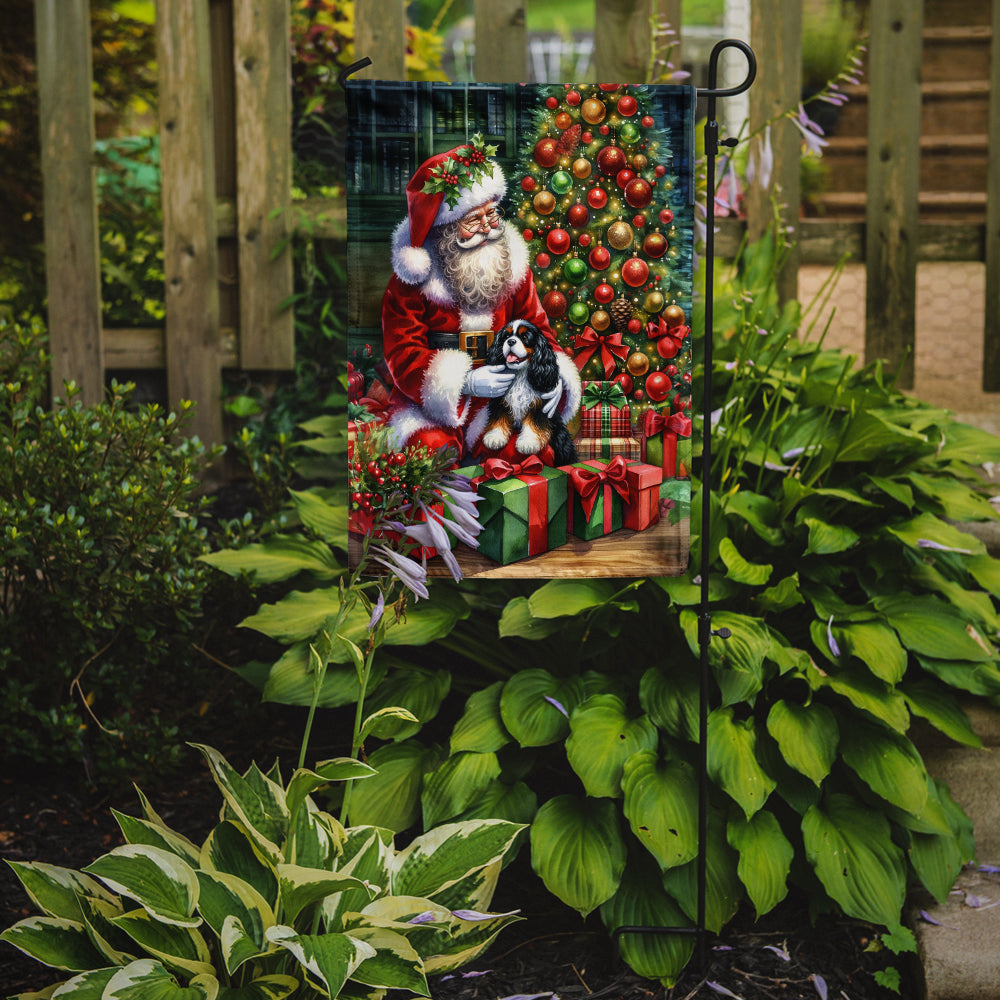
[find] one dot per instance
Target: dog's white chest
(520, 396)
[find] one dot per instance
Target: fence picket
(991, 331)
(190, 251)
(72, 257)
(501, 41)
(892, 215)
(380, 34)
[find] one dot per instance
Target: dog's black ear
(495, 355)
(543, 371)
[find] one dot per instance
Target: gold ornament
(581, 168)
(600, 320)
(653, 302)
(639, 162)
(637, 364)
(564, 162)
(620, 235)
(544, 202)
(674, 314)
(593, 111)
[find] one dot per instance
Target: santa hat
(443, 189)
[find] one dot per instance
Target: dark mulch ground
(551, 951)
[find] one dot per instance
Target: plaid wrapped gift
(522, 510)
(597, 494)
(642, 509)
(605, 424)
(666, 442)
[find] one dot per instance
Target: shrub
(280, 899)
(99, 546)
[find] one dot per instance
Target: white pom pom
(412, 264)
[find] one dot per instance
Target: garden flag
(520, 268)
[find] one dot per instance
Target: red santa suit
(427, 394)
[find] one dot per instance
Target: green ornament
(578, 311)
(561, 182)
(575, 271)
(628, 132)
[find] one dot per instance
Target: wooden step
(940, 13)
(956, 53)
(945, 106)
(956, 206)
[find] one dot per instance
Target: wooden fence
(226, 160)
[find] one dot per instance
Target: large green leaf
(230, 849)
(976, 678)
(54, 941)
(850, 847)
(56, 891)
(661, 806)
(292, 680)
(758, 511)
(179, 948)
(937, 859)
(418, 690)
(280, 557)
(732, 760)
(481, 728)
(870, 436)
(866, 692)
(739, 569)
(671, 701)
(301, 887)
(807, 736)
(930, 627)
(516, 803)
(828, 539)
(941, 709)
(329, 959)
(144, 831)
(225, 897)
(86, 986)
(304, 782)
(602, 737)
(641, 901)
(535, 706)
(456, 784)
(578, 851)
(738, 661)
(986, 571)
(517, 620)
(888, 763)
(559, 598)
(924, 528)
(147, 979)
(765, 858)
(957, 501)
(395, 964)
(391, 798)
(328, 521)
(164, 885)
(876, 646)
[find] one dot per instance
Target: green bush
(101, 584)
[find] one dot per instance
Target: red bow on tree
(500, 468)
(670, 338)
(587, 480)
(610, 345)
(654, 423)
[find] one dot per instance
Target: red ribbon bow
(587, 480)
(500, 468)
(654, 423)
(658, 330)
(609, 344)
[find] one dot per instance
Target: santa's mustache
(478, 239)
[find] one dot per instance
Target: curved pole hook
(713, 69)
(353, 68)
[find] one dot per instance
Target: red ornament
(604, 293)
(635, 271)
(584, 239)
(666, 216)
(624, 177)
(599, 258)
(634, 326)
(627, 106)
(554, 304)
(587, 137)
(625, 381)
(654, 245)
(527, 183)
(552, 102)
(604, 130)
(597, 197)
(573, 98)
(658, 386)
(671, 370)
(638, 192)
(638, 221)
(647, 121)
(557, 241)
(659, 170)
(638, 395)
(563, 120)
(543, 260)
(609, 88)
(578, 216)
(528, 235)
(610, 160)
(546, 153)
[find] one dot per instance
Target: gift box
(666, 442)
(605, 424)
(597, 494)
(522, 510)
(642, 508)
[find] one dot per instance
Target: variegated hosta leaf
(602, 737)
(395, 964)
(147, 979)
(54, 941)
(732, 760)
(86, 986)
(475, 891)
(456, 784)
(177, 947)
(230, 849)
(578, 851)
(765, 858)
(225, 897)
(238, 945)
(481, 728)
(116, 946)
(256, 801)
(366, 855)
(274, 987)
(807, 736)
(141, 831)
(56, 891)
(850, 847)
(642, 902)
(300, 887)
(329, 959)
(160, 882)
(468, 939)
(304, 782)
(441, 857)
(661, 800)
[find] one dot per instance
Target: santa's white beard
(479, 274)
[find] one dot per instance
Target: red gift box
(642, 509)
(660, 432)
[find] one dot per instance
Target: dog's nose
(511, 341)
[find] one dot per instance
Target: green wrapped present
(598, 491)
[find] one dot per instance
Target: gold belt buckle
(476, 343)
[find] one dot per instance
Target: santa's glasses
(482, 220)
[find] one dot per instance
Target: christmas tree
(610, 235)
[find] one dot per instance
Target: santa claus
(457, 267)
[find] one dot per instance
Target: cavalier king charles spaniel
(523, 349)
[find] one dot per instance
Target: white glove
(488, 381)
(552, 399)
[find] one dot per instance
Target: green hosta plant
(279, 900)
